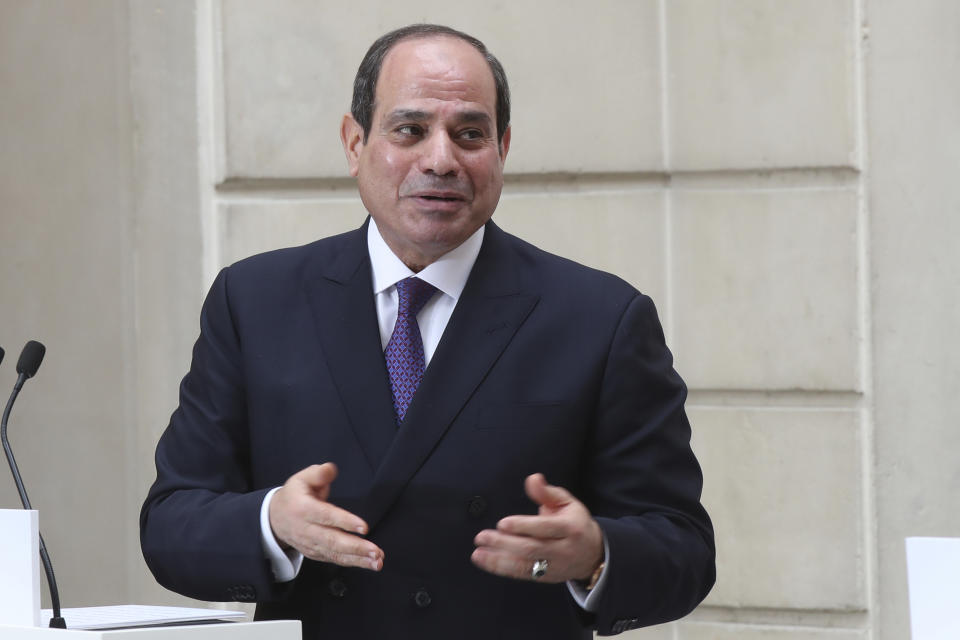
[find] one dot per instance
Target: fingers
(514, 556)
(301, 518)
(546, 495)
(564, 534)
(541, 527)
(325, 514)
(522, 547)
(317, 478)
(328, 544)
(510, 566)
(572, 557)
(304, 496)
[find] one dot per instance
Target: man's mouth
(446, 201)
(440, 197)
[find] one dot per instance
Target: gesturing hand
(301, 517)
(563, 533)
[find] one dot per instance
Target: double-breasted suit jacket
(545, 366)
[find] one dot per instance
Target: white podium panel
(19, 567)
(933, 578)
(272, 630)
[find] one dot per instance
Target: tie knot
(413, 293)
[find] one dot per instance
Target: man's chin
(436, 239)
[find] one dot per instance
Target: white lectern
(268, 630)
(19, 567)
(20, 600)
(933, 578)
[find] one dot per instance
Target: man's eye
(471, 134)
(409, 130)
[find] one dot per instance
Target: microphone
(1, 354)
(27, 365)
(29, 360)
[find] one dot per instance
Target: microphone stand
(56, 621)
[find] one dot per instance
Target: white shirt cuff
(590, 600)
(284, 564)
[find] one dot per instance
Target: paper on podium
(933, 577)
(20, 562)
(132, 615)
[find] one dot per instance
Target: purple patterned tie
(404, 352)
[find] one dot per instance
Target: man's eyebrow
(418, 115)
(479, 117)
(399, 115)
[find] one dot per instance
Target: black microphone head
(1, 354)
(30, 358)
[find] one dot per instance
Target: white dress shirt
(449, 275)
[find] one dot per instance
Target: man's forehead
(415, 47)
(438, 65)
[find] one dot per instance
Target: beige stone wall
(65, 194)
(777, 174)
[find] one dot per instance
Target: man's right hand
(301, 517)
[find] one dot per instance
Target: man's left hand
(563, 533)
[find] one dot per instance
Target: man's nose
(440, 155)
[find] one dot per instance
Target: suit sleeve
(199, 526)
(644, 483)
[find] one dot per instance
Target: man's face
(431, 170)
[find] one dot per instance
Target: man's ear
(505, 145)
(351, 135)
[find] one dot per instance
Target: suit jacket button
(337, 588)
(422, 598)
(477, 506)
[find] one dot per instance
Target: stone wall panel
(712, 631)
(761, 83)
(249, 228)
(622, 233)
(783, 489)
(765, 289)
(288, 70)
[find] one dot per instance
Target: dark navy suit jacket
(545, 366)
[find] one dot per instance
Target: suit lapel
(341, 298)
(490, 311)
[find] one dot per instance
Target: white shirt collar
(448, 274)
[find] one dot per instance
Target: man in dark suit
(365, 435)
